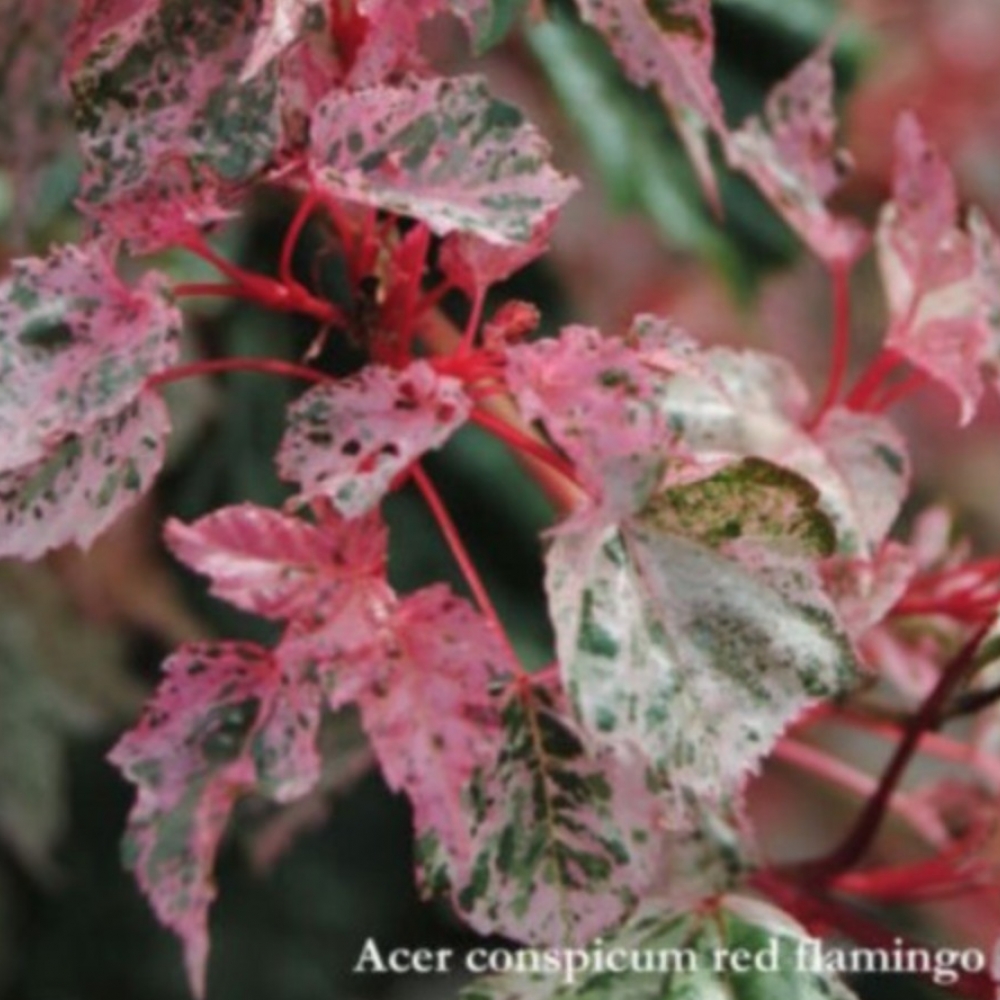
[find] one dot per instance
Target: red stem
(893, 395)
(859, 839)
(302, 214)
(523, 442)
(872, 379)
(268, 366)
(464, 560)
(840, 278)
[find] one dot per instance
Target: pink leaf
(164, 105)
(792, 157)
(76, 347)
(474, 264)
(276, 565)
(226, 721)
(430, 710)
(564, 839)
(83, 482)
(439, 150)
(280, 24)
(598, 398)
(669, 44)
(349, 440)
(929, 272)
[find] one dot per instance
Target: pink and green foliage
(937, 277)
(441, 151)
(669, 45)
(348, 440)
(721, 566)
(792, 158)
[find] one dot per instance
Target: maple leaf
(430, 708)
(669, 44)
(684, 951)
(157, 87)
(937, 298)
(564, 839)
(221, 725)
(84, 481)
(347, 441)
(792, 157)
(76, 346)
(690, 589)
(276, 565)
(440, 150)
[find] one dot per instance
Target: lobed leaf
(76, 346)
(156, 89)
(439, 150)
(698, 654)
(276, 565)
(669, 44)
(348, 440)
(563, 841)
(928, 266)
(665, 954)
(84, 481)
(599, 399)
(220, 726)
(431, 711)
(792, 157)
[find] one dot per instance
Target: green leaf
(753, 499)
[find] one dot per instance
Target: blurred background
(82, 635)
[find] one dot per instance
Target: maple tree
(723, 572)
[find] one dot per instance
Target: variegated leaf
(739, 949)
(277, 565)
(564, 841)
(669, 44)
(76, 347)
(83, 482)
(792, 157)
(347, 441)
(221, 725)
(159, 89)
(697, 630)
(929, 272)
(431, 709)
(439, 150)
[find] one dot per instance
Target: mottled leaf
(348, 440)
(669, 44)
(598, 397)
(730, 404)
(277, 565)
(221, 725)
(564, 841)
(792, 157)
(488, 21)
(697, 656)
(752, 500)
(280, 24)
(76, 346)
(431, 710)
(738, 948)
(439, 150)
(159, 89)
(929, 272)
(83, 482)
